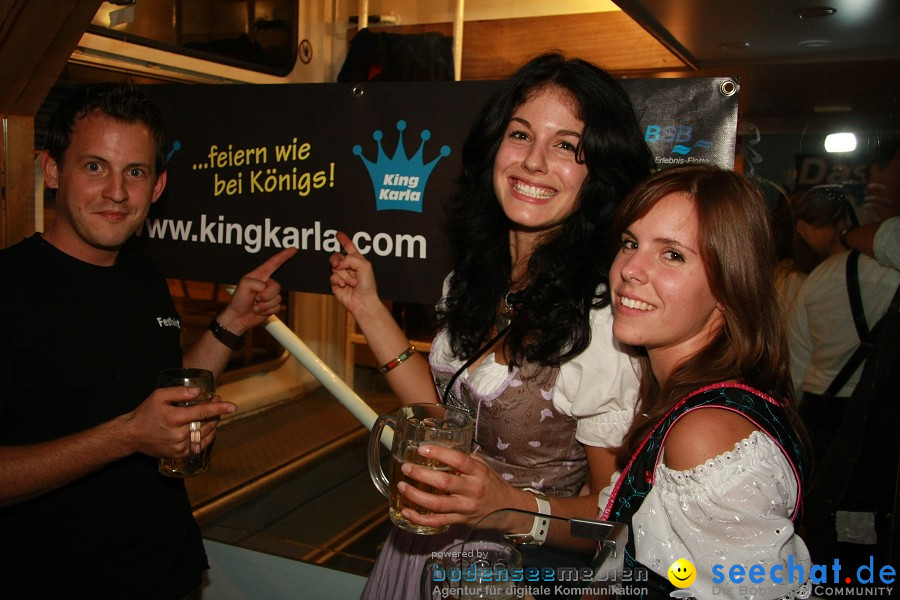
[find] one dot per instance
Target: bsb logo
(679, 135)
(399, 181)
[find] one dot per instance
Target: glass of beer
(198, 460)
(415, 425)
(490, 568)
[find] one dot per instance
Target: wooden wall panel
(494, 49)
(36, 39)
(16, 179)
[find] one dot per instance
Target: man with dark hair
(879, 235)
(85, 326)
(883, 182)
(842, 341)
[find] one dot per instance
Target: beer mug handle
(375, 471)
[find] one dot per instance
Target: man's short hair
(125, 102)
(884, 153)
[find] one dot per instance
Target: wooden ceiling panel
(494, 49)
(36, 39)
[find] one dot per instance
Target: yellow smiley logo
(682, 573)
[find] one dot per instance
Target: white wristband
(541, 525)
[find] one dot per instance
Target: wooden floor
(293, 481)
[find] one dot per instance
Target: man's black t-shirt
(80, 345)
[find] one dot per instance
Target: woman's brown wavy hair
(736, 245)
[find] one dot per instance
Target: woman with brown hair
(692, 291)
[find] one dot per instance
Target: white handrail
(321, 371)
(458, 23)
(363, 16)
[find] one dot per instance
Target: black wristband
(232, 340)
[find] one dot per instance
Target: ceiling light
(733, 45)
(814, 43)
(840, 142)
(832, 108)
(813, 12)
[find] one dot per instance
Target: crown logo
(400, 181)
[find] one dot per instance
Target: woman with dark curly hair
(525, 342)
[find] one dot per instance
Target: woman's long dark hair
(571, 262)
(736, 246)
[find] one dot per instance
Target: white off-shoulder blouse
(734, 509)
(599, 387)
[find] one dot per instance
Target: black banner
(255, 168)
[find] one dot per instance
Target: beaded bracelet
(396, 362)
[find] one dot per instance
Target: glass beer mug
(415, 425)
(474, 569)
(197, 461)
